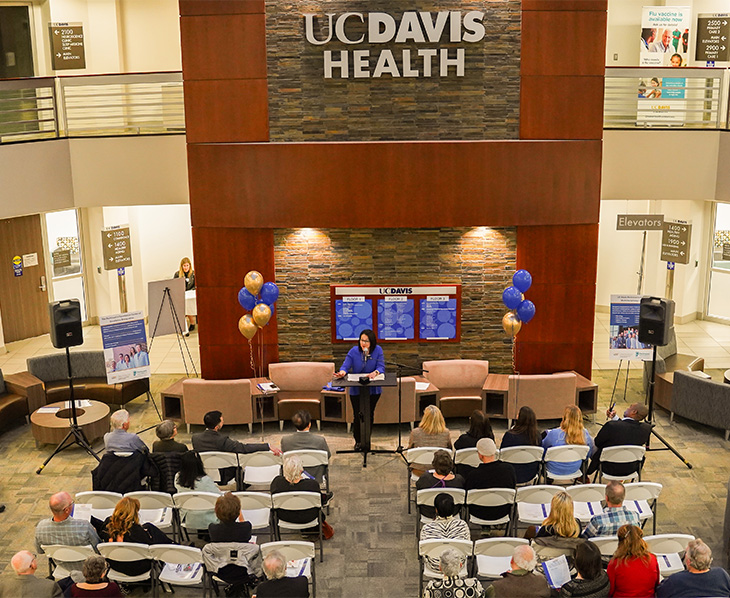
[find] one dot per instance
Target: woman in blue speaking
(364, 358)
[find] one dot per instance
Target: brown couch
(89, 379)
(19, 397)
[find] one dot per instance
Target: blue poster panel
(438, 318)
(624, 329)
(396, 318)
(352, 314)
(125, 347)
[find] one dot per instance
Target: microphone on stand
(365, 355)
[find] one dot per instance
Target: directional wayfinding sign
(676, 237)
(713, 33)
(640, 222)
(67, 46)
(117, 248)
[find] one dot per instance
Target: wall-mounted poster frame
(397, 313)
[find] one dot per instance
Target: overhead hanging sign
(67, 46)
(713, 37)
(639, 222)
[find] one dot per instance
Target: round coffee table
(727, 376)
(51, 428)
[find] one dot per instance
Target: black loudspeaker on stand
(656, 318)
(66, 332)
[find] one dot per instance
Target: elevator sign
(713, 37)
(676, 238)
(67, 46)
(117, 248)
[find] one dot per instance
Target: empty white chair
(587, 500)
(300, 555)
(621, 454)
(433, 549)
(642, 497)
(260, 468)
(214, 461)
(298, 501)
(419, 459)
(256, 509)
(126, 552)
(667, 548)
(63, 559)
(179, 565)
(493, 556)
(523, 456)
(102, 502)
(491, 497)
(569, 453)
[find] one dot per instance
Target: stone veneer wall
(304, 106)
(308, 261)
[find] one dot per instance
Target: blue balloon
(522, 280)
(526, 310)
(246, 299)
(511, 297)
(269, 293)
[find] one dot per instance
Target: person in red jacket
(633, 571)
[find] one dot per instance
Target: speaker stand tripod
(75, 434)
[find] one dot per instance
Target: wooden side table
(496, 390)
(26, 384)
(51, 428)
(263, 402)
(172, 403)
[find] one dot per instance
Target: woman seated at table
(192, 478)
(571, 431)
(442, 476)
(123, 526)
(479, 427)
(524, 433)
(591, 580)
(561, 522)
(633, 571)
(94, 571)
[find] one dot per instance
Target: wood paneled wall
(547, 185)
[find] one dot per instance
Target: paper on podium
(422, 385)
(356, 377)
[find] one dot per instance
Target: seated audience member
(561, 522)
(431, 432)
(24, 584)
(94, 570)
(614, 515)
(520, 582)
(445, 527)
(591, 580)
(166, 432)
(62, 528)
(192, 478)
(120, 440)
(442, 476)
(633, 571)
(479, 427)
(232, 528)
(616, 432)
(571, 431)
(450, 563)
(277, 584)
(524, 433)
(292, 480)
(123, 526)
(491, 473)
(699, 579)
(303, 439)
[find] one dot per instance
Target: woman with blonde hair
(561, 522)
(432, 430)
(633, 571)
(571, 431)
(187, 273)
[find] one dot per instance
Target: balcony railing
(91, 105)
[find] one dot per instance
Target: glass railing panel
(27, 110)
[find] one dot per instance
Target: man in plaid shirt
(614, 515)
(62, 528)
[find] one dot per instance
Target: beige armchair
(460, 383)
(547, 394)
(230, 397)
(300, 387)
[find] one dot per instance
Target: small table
(726, 376)
(51, 428)
(172, 404)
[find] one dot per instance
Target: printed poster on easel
(624, 330)
(125, 347)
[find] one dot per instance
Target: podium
(363, 418)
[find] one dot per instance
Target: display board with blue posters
(624, 330)
(401, 314)
(125, 347)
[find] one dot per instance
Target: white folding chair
(621, 454)
(179, 565)
(316, 463)
(426, 497)
(642, 497)
(126, 552)
(218, 555)
(466, 460)
(433, 550)
(668, 549)
(259, 469)
(256, 509)
(61, 557)
(214, 461)
(300, 554)
(102, 503)
(187, 502)
(569, 453)
(493, 556)
(491, 497)
(587, 500)
(523, 455)
(419, 458)
(533, 504)
(298, 501)
(157, 508)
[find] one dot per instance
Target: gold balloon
(261, 314)
(511, 323)
(253, 281)
(247, 326)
